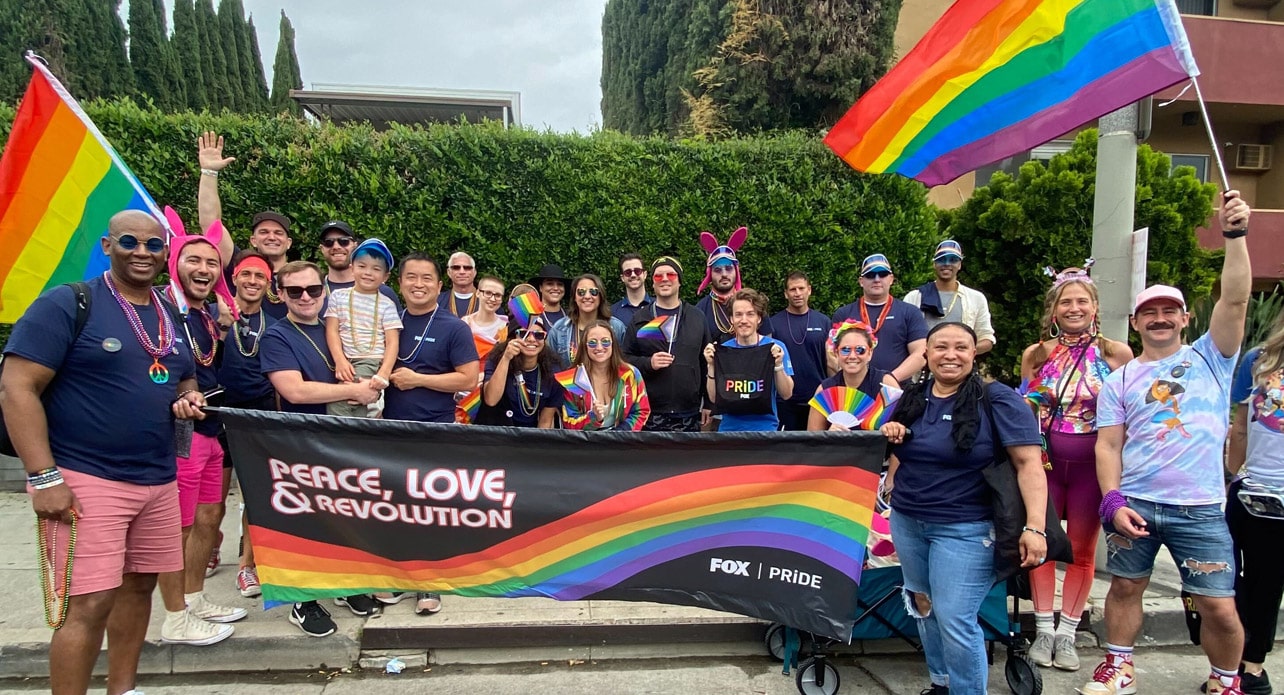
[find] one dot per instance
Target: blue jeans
(953, 566)
(1196, 536)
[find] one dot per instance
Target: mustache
(1160, 325)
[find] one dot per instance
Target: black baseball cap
(337, 226)
(270, 216)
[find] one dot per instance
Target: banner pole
(1212, 139)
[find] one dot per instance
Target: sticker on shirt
(1268, 402)
(1167, 395)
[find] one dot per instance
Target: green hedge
(516, 198)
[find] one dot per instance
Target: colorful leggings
(1075, 494)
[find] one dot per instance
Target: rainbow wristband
(1112, 502)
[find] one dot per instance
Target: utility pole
(1112, 218)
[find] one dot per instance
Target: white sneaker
(184, 628)
(1041, 651)
(204, 609)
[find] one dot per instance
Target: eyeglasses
(661, 277)
(524, 333)
(461, 267)
(129, 242)
(847, 350)
(587, 292)
(490, 295)
(342, 241)
(296, 292)
(633, 272)
(879, 275)
(595, 343)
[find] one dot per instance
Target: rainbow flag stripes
(576, 381)
(471, 404)
(60, 182)
(995, 77)
(524, 307)
(861, 410)
(819, 511)
(658, 328)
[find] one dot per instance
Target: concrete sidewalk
(481, 631)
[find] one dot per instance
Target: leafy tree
(260, 90)
(285, 70)
(149, 55)
(187, 52)
(213, 58)
(83, 42)
(1015, 226)
(230, 18)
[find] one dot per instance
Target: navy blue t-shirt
(870, 385)
(291, 347)
(197, 331)
(107, 418)
(549, 394)
(239, 372)
(432, 343)
(719, 318)
(903, 325)
(462, 307)
(554, 315)
(937, 483)
(624, 311)
(805, 337)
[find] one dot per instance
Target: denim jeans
(1196, 536)
(953, 565)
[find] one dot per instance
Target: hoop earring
(1094, 326)
(1055, 330)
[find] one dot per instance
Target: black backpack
(83, 301)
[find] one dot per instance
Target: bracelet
(1234, 233)
(710, 378)
(1111, 502)
(47, 478)
(47, 485)
(181, 395)
(780, 367)
(213, 173)
(45, 471)
(1034, 530)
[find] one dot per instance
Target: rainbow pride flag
(471, 404)
(658, 328)
(996, 77)
(576, 381)
(525, 307)
(60, 182)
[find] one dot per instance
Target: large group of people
(1129, 444)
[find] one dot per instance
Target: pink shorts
(200, 476)
(125, 528)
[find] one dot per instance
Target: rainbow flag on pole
(997, 77)
(60, 181)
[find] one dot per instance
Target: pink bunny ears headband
(181, 239)
(1070, 274)
(719, 252)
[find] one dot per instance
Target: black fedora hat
(550, 271)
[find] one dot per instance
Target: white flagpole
(1212, 139)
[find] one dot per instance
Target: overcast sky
(549, 50)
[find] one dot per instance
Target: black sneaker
(314, 620)
(1255, 685)
(936, 690)
(361, 605)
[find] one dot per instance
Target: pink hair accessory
(1070, 274)
(849, 324)
(720, 252)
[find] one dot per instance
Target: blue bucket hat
(945, 249)
(377, 248)
(875, 263)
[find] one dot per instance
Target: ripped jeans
(952, 564)
(1196, 536)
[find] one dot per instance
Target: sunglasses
(661, 277)
(296, 292)
(490, 295)
(876, 276)
(847, 350)
(596, 343)
(342, 241)
(524, 333)
(129, 242)
(587, 292)
(948, 260)
(461, 267)
(633, 272)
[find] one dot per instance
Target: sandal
(427, 602)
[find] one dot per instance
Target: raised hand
(209, 152)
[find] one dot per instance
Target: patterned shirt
(363, 318)
(1076, 376)
(1264, 456)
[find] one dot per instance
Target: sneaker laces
(204, 628)
(1105, 672)
(314, 609)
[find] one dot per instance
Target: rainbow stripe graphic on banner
(995, 77)
(60, 182)
(823, 512)
(524, 307)
(658, 328)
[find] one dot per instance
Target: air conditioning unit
(1252, 157)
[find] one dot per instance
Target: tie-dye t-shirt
(1075, 376)
(1265, 403)
(1176, 413)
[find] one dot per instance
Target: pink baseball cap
(1157, 292)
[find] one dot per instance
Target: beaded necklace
(254, 347)
(882, 315)
(720, 318)
(374, 326)
(56, 599)
(529, 406)
(158, 373)
(472, 304)
(211, 329)
(420, 341)
(328, 364)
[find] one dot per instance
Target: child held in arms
(362, 327)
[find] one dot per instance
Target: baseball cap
(875, 263)
(337, 226)
(376, 247)
(1159, 292)
(270, 216)
(945, 249)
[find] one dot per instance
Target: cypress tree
(107, 56)
(27, 26)
(148, 55)
(214, 63)
(250, 100)
(187, 53)
(172, 66)
(256, 63)
(229, 20)
(285, 70)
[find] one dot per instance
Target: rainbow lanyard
(529, 405)
(165, 334)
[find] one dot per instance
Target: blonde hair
(296, 267)
(1041, 353)
(1272, 357)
